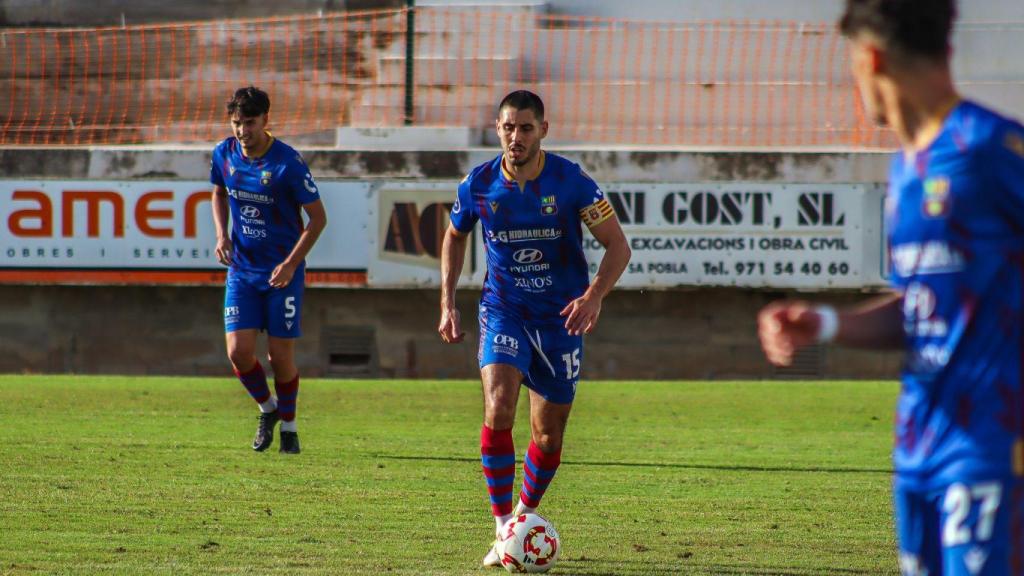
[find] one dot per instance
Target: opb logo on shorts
(506, 341)
(231, 312)
(528, 256)
(250, 212)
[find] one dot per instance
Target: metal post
(410, 51)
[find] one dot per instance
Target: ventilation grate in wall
(350, 350)
(809, 362)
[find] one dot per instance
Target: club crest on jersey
(231, 170)
(265, 177)
(936, 201)
(494, 207)
(548, 206)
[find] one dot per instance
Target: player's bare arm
(788, 325)
(317, 215)
(582, 313)
(219, 204)
(453, 255)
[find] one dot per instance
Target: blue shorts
(548, 357)
(970, 529)
(251, 302)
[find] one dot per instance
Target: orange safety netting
(604, 81)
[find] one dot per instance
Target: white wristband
(828, 323)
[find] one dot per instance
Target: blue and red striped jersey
(955, 217)
(266, 196)
(533, 236)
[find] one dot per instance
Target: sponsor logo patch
(528, 256)
(249, 196)
(928, 258)
(504, 344)
(524, 235)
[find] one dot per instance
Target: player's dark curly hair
(523, 100)
(914, 28)
(249, 101)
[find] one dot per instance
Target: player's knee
(242, 359)
(280, 362)
(548, 443)
(499, 417)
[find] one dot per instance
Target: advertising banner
(805, 236)
(813, 236)
(407, 225)
(389, 234)
(151, 232)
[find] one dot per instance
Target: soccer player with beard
(955, 215)
(264, 185)
(537, 299)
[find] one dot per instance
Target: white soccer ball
(528, 543)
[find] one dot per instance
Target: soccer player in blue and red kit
(955, 216)
(264, 185)
(537, 299)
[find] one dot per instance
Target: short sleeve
(1007, 167)
(591, 204)
(216, 174)
(301, 181)
(463, 215)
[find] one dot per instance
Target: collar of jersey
(509, 179)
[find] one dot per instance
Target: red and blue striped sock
(255, 381)
(538, 470)
(287, 395)
(498, 456)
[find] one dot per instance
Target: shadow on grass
(601, 567)
(724, 467)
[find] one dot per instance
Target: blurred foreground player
(955, 215)
(537, 299)
(265, 186)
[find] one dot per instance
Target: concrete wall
(643, 334)
(636, 165)
(699, 334)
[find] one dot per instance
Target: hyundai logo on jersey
(528, 256)
(250, 212)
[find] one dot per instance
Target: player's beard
(525, 159)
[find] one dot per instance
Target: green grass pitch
(146, 475)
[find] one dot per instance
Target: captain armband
(596, 213)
